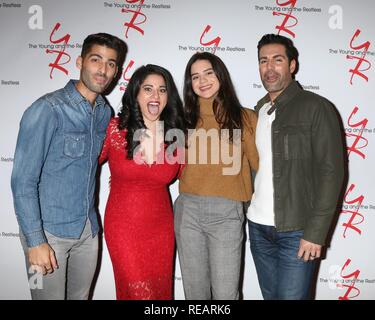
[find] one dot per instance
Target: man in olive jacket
(300, 175)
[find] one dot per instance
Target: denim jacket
(55, 163)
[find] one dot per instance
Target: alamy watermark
(200, 146)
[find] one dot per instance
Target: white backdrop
(335, 39)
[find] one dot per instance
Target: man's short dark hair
(290, 49)
(107, 40)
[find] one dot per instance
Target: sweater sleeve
(250, 122)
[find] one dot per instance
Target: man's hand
(43, 258)
(309, 250)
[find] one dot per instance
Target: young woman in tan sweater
(215, 182)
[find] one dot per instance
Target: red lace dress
(138, 222)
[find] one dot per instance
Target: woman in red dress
(138, 222)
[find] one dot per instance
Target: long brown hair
(227, 108)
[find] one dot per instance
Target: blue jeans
(281, 275)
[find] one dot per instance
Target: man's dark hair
(107, 40)
(290, 49)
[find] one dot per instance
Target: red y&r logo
(60, 53)
(356, 131)
(215, 41)
(133, 24)
(284, 27)
(125, 76)
(356, 205)
(349, 288)
(357, 71)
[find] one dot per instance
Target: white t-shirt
(261, 208)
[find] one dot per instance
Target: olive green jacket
(308, 162)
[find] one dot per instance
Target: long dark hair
(130, 115)
(227, 108)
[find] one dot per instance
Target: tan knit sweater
(209, 179)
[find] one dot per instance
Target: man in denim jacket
(53, 178)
